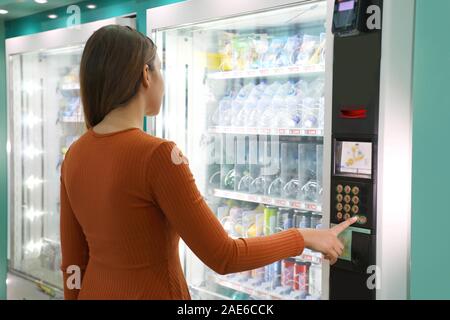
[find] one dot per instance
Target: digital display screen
(353, 158)
(346, 6)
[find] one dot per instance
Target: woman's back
(106, 181)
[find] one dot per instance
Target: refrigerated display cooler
(264, 100)
(45, 118)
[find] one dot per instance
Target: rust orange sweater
(124, 206)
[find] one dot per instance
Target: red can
(301, 277)
(287, 273)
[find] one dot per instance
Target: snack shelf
(305, 70)
(286, 203)
(294, 132)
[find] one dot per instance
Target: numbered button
(362, 220)
(355, 190)
(347, 208)
(339, 207)
(355, 209)
(347, 198)
(339, 216)
(355, 200)
(347, 189)
(339, 188)
(339, 198)
(347, 216)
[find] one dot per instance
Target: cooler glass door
(45, 118)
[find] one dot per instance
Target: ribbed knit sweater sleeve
(175, 192)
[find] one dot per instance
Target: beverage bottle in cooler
(266, 117)
(222, 115)
(287, 273)
(270, 116)
(285, 219)
(287, 115)
(315, 281)
(238, 102)
(268, 275)
(244, 116)
(316, 221)
(317, 88)
(302, 219)
(257, 275)
(236, 222)
(249, 224)
(261, 105)
(276, 280)
(259, 222)
(294, 110)
(310, 113)
(301, 278)
(270, 220)
(283, 118)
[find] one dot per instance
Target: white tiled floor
(22, 289)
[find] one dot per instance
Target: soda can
(287, 273)
(301, 278)
(270, 220)
(316, 221)
(268, 273)
(276, 274)
(302, 219)
(286, 219)
(315, 281)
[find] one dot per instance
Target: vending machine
(288, 110)
(45, 118)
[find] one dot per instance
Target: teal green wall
(430, 247)
(39, 23)
(3, 169)
(105, 9)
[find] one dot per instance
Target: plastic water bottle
(222, 114)
(244, 116)
(294, 107)
(317, 88)
(262, 104)
(238, 103)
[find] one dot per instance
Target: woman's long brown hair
(111, 70)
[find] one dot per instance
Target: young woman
(125, 203)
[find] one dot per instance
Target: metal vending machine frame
(371, 147)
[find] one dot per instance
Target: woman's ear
(146, 77)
